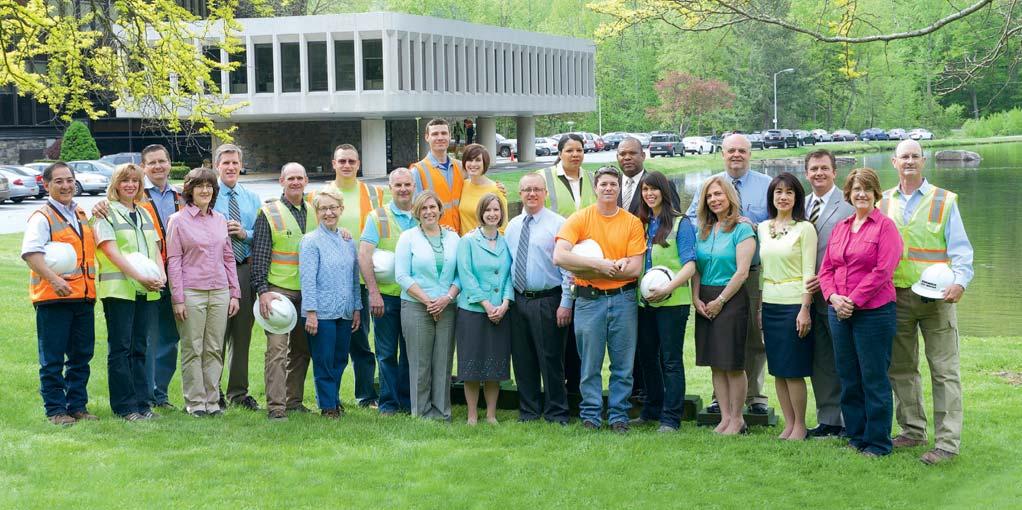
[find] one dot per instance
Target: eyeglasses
(346, 161)
(328, 208)
(203, 187)
(532, 190)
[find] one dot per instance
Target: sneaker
(332, 414)
(133, 417)
(61, 420)
(300, 409)
(937, 456)
(903, 441)
(247, 402)
(823, 431)
(371, 404)
(148, 414)
(640, 421)
(84, 415)
(198, 413)
(713, 408)
(588, 425)
(664, 429)
(276, 415)
(620, 427)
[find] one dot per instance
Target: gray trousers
(826, 384)
(238, 339)
(430, 358)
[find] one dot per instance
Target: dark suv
(780, 138)
(665, 144)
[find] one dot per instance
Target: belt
(593, 292)
(532, 294)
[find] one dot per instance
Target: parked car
(665, 145)
(779, 138)
(920, 134)
(5, 189)
(589, 144)
(897, 134)
(755, 140)
(843, 135)
(33, 174)
(38, 165)
(697, 145)
(611, 140)
(598, 142)
(644, 139)
(504, 146)
(716, 141)
(92, 176)
(21, 186)
(822, 135)
(122, 157)
(545, 147)
(805, 137)
(873, 134)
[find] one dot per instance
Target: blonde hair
(121, 174)
(329, 193)
(420, 201)
(707, 219)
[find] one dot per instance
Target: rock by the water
(957, 155)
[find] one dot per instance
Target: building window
(372, 64)
(290, 67)
(344, 65)
(412, 70)
(7, 98)
(212, 53)
(239, 76)
(316, 53)
(264, 68)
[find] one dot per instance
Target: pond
(989, 200)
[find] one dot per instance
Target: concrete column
(420, 136)
(526, 138)
(374, 148)
(486, 134)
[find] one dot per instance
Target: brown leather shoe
(61, 420)
(332, 414)
(84, 416)
(277, 415)
(937, 456)
(903, 441)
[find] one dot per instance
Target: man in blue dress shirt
(542, 308)
(240, 206)
(752, 193)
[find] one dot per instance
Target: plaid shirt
(262, 245)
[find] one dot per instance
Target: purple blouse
(860, 265)
(199, 254)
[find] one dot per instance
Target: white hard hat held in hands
(934, 281)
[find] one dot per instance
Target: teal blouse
(717, 255)
(485, 272)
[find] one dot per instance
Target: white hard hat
(383, 266)
(588, 248)
(143, 265)
(934, 281)
(60, 257)
(655, 277)
(283, 316)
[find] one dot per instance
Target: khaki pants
(202, 336)
(938, 322)
(287, 361)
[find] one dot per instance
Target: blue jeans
(329, 351)
(862, 351)
(363, 361)
(660, 343)
(606, 324)
(161, 355)
(67, 339)
(127, 325)
(392, 355)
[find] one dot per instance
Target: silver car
(21, 186)
(5, 189)
(31, 173)
(92, 176)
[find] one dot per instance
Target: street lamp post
(788, 70)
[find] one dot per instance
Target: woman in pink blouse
(856, 279)
(203, 289)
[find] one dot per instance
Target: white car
(897, 134)
(697, 145)
(822, 135)
(920, 134)
(545, 146)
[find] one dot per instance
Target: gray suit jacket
(836, 210)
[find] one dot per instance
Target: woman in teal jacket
(483, 334)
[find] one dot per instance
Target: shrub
(78, 143)
(179, 171)
(1004, 123)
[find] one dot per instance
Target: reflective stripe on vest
(382, 223)
(111, 281)
(563, 202)
(286, 240)
(668, 257)
(923, 236)
(39, 289)
(388, 242)
(551, 187)
(450, 196)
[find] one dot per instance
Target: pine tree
(78, 143)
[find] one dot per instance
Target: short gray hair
(224, 149)
(398, 172)
(292, 164)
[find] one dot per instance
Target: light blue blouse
(485, 272)
(415, 263)
(328, 266)
(717, 255)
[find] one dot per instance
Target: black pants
(537, 351)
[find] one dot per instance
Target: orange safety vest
(370, 199)
(83, 279)
(146, 201)
(431, 179)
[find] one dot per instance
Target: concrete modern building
(313, 82)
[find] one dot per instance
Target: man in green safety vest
(931, 227)
(279, 228)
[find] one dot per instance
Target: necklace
(775, 234)
(483, 233)
(438, 246)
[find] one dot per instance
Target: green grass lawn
(244, 461)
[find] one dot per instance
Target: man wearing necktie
(752, 193)
(543, 306)
(826, 207)
(240, 206)
(631, 159)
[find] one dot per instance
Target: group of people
(809, 284)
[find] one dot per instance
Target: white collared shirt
(575, 184)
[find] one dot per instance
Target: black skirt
(484, 348)
(720, 343)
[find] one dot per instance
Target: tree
(81, 58)
(78, 143)
(684, 98)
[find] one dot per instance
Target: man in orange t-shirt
(606, 313)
